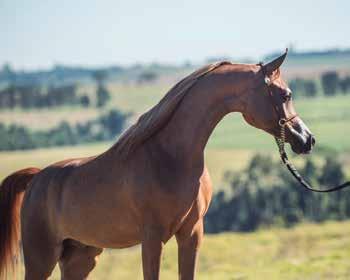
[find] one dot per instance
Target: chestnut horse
(152, 184)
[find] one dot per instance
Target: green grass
(136, 98)
(44, 119)
(308, 252)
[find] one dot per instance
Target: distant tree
(296, 85)
(330, 82)
(112, 122)
(85, 101)
(105, 127)
(28, 95)
(310, 88)
(344, 85)
(309, 169)
(332, 172)
(102, 96)
(62, 135)
(147, 77)
(266, 199)
(84, 132)
(17, 138)
(99, 76)
(8, 74)
(303, 87)
(11, 96)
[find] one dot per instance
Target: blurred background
(75, 74)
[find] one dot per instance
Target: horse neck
(188, 131)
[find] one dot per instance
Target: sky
(39, 34)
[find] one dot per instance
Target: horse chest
(186, 207)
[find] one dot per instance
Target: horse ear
(275, 64)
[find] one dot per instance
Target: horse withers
(149, 186)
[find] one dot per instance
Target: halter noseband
(280, 141)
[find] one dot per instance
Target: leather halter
(283, 122)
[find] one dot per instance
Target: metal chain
(282, 139)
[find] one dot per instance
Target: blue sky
(39, 34)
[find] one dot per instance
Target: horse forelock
(157, 117)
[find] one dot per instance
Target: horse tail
(12, 190)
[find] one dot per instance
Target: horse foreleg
(152, 247)
(189, 239)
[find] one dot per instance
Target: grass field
(306, 252)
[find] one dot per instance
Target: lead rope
(284, 157)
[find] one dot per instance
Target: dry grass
(45, 118)
(308, 252)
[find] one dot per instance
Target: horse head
(269, 106)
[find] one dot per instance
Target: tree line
(105, 127)
(330, 84)
(36, 95)
(265, 194)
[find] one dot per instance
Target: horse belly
(106, 222)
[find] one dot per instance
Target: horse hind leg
(40, 255)
(77, 260)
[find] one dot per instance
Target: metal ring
(282, 122)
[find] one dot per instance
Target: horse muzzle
(300, 138)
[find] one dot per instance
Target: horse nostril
(313, 140)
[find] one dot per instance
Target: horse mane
(153, 120)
